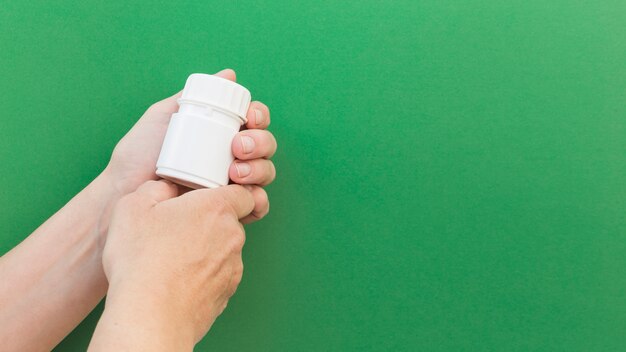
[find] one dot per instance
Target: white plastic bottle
(196, 151)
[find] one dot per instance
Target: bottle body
(196, 151)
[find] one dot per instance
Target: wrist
(148, 315)
(103, 194)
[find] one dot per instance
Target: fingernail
(259, 117)
(248, 187)
(243, 169)
(247, 143)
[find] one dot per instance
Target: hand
(134, 159)
(172, 263)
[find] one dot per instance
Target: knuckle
(239, 267)
(223, 308)
(221, 206)
(237, 276)
(235, 283)
(237, 240)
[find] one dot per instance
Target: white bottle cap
(217, 92)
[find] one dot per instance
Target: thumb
(232, 197)
(227, 73)
(157, 191)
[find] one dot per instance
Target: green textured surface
(452, 174)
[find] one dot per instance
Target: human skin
(54, 278)
(172, 264)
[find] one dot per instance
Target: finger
(161, 111)
(253, 172)
(233, 198)
(261, 205)
(258, 115)
(227, 73)
(157, 191)
(166, 106)
(254, 144)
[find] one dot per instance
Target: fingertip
(258, 116)
(252, 172)
(261, 205)
(254, 144)
(228, 73)
(241, 147)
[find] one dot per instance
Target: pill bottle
(196, 151)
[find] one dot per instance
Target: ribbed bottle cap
(218, 92)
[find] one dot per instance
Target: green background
(452, 174)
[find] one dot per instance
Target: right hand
(176, 258)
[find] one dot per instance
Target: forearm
(54, 278)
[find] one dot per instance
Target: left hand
(134, 159)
